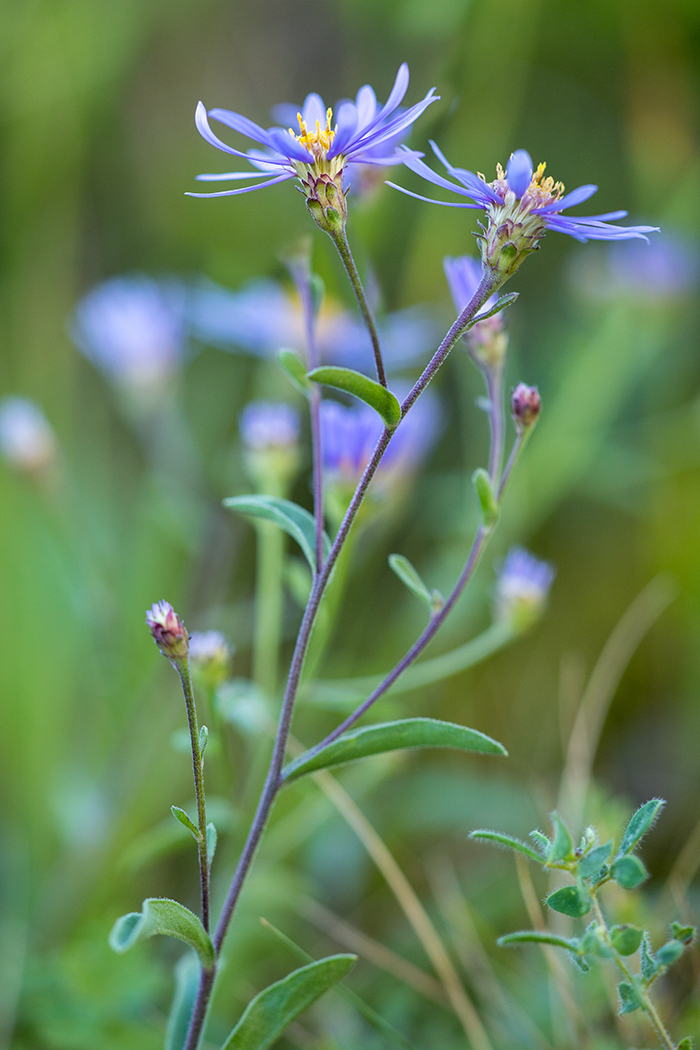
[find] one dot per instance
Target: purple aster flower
(668, 268)
(210, 656)
(320, 152)
(486, 340)
(521, 205)
(522, 588)
(349, 435)
(133, 329)
(263, 316)
(27, 439)
(266, 424)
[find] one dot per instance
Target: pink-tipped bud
(168, 630)
(525, 405)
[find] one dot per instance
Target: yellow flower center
(541, 190)
(317, 142)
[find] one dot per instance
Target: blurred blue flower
(523, 196)
(349, 435)
(522, 588)
(267, 424)
(463, 277)
(27, 439)
(321, 149)
(133, 329)
(262, 317)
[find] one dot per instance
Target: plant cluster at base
(592, 865)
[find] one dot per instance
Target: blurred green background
(97, 148)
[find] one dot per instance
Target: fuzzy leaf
(686, 1044)
(681, 933)
(639, 824)
(393, 736)
(180, 815)
(295, 520)
(562, 847)
(569, 900)
(505, 840)
(187, 973)
(411, 578)
(373, 394)
(203, 739)
(500, 304)
(538, 937)
(294, 369)
(648, 964)
(669, 953)
(541, 841)
(629, 872)
(167, 917)
(626, 939)
(269, 1013)
(592, 862)
(212, 838)
(629, 1000)
(488, 504)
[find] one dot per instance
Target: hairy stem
(183, 669)
(341, 242)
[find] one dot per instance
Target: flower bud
(27, 440)
(210, 657)
(168, 630)
(325, 199)
(525, 406)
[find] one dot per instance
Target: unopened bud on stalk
(210, 657)
(525, 405)
(169, 632)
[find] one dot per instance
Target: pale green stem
(183, 669)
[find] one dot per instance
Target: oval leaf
(538, 937)
(295, 520)
(187, 972)
(352, 382)
(294, 369)
(393, 736)
(594, 861)
(269, 1013)
(411, 578)
(569, 900)
(180, 815)
(629, 998)
(626, 939)
(639, 824)
(167, 917)
(629, 872)
(505, 840)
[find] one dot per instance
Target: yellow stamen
(319, 141)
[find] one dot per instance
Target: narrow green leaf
(538, 937)
(562, 847)
(505, 840)
(180, 815)
(569, 900)
(639, 824)
(212, 838)
(203, 738)
(541, 841)
(295, 520)
(187, 972)
(648, 965)
(626, 939)
(352, 382)
(392, 736)
(488, 504)
(629, 999)
(629, 872)
(269, 1013)
(294, 369)
(411, 578)
(592, 862)
(363, 1008)
(167, 917)
(669, 953)
(500, 304)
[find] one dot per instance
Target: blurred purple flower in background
(349, 434)
(463, 276)
(263, 317)
(27, 440)
(267, 424)
(133, 330)
(522, 588)
(362, 131)
(667, 268)
(521, 195)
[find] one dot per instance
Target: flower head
(267, 424)
(525, 405)
(27, 439)
(521, 205)
(168, 630)
(318, 151)
(486, 340)
(210, 656)
(522, 588)
(133, 329)
(263, 316)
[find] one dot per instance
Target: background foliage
(97, 146)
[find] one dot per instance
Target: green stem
(341, 242)
(183, 669)
(648, 1005)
